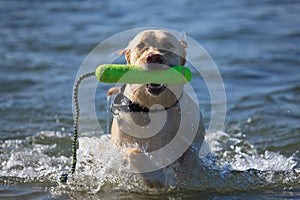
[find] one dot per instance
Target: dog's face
(155, 50)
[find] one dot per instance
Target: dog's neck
(122, 103)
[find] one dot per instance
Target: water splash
(101, 164)
(33, 158)
(241, 155)
(232, 165)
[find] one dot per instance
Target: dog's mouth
(155, 89)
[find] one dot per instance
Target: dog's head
(155, 50)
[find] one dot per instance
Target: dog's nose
(155, 58)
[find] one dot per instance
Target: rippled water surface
(255, 44)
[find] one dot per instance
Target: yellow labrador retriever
(148, 116)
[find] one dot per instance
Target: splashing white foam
(229, 166)
(241, 155)
(100, 166)
(267, 161)
(30, 160)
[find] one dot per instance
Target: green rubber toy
(131, 74)
(126, 74)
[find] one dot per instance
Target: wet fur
(163, 43)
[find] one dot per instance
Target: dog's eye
(169, 46)
(141, 45)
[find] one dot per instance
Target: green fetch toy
(126, 74)
(131, 74)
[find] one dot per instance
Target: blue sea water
(254, 44)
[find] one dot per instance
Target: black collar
(123, 104)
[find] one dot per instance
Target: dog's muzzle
(155, 89)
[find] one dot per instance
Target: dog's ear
(125, 52)
(183, 43)
(183, 60)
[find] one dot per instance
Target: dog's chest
(158, 124)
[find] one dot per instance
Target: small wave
(32, 158)
(101, 167)
(241, 155)
(232, 165)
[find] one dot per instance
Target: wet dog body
(156, 113)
